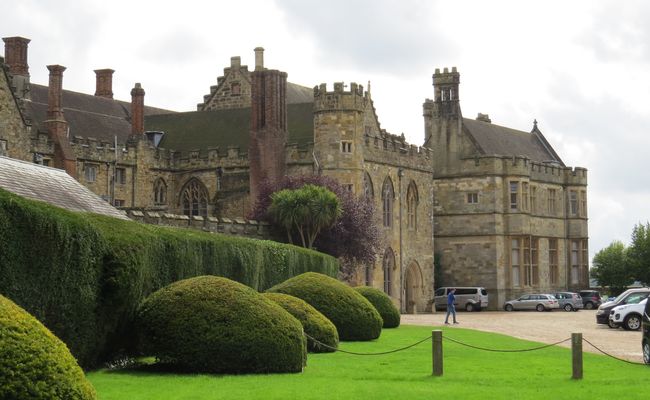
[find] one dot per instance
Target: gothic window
(159, 192)
(194, 199)
(412, 205)
(552, 261)
(524, 196)
(573, 202)
(388, 266)
(552, 209)
(387, 196)
(575, 262)
(524, 261)
(533, 199)
(514, 262)
(368, 190)
(514, 189)
(583, 203)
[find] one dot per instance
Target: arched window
(412, 206)
(368, 190)
(387, 196)
(194, 198)
(159, 192)
(388, 266)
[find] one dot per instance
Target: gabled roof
(87, 115)
(53, 186)
(491, 139)
(201, 130)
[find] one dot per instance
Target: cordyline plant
(353, 238)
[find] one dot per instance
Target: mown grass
(468, 374)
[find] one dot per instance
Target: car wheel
(646, 352)
(612, 324)
(469, 307)
(568, 307)
(632, 322)
(540, 307)
(589, 305)
(509, 307)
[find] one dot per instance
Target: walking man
(451, 308)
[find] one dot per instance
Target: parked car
(628, 316)
(590, 299)
(539, 302)
(569, 301)
(630, 296)
(467, 298)
(645, 338)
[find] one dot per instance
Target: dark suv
(590, 299)
(645, 341)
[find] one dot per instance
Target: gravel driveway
(544, 327)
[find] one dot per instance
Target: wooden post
(576, 351)
(436, 342)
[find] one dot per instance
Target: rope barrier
(611, 356)
(367, 354)
(505, 350)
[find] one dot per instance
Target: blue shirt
(451, 298)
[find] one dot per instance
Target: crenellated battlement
(340, 99)
(395, 150)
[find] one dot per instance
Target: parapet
(446, 77)
(354, 99)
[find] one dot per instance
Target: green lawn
(468, 374)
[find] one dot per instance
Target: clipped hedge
(84, 275)
(35, 364)
(383, 304)
(216, 325)
(354, 317)
(315, 324)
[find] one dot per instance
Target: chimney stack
(55, 92)
(16, 61)
(235, 62)
(104, 83)
(137, 110)
(259, 59)
(57, 125)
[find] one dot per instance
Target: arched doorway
(412, 287)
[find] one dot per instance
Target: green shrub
(354, 317)
(35, 364)
(215, 325)
(84, 275)
(383, 304)
(315, 324)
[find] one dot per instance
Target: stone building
(488, 186)
(205, 164)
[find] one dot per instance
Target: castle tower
(268, 135)
(339, 126)
(443, 118)
(16, 59)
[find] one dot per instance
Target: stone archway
(412, 287)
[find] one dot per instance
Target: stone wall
(14, 131)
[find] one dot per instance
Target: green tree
(639, 253)
(610, 267)
(305, 211)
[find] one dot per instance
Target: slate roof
(299, 94)
(87, 115)
(201, 130)
(492, 139)
(53, 186)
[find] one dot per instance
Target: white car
(628, 316)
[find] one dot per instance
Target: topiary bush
(35, 364)
(383, 304)
(354, 317)
(313, 322)
(215, 325)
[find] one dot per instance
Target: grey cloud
(178, 47)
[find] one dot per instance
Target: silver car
(569, 301)
(539, 302)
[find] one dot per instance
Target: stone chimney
(104, 83)
(57, 125)
(137, 110)
(16, 61)
(268, 137)
(259, 59)
(484, 118)
(235, 62)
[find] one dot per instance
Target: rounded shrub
(216, 325)
(315, 324)
(383, 304)
(35, 364)
(354, 317)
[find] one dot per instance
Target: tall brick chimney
(57, 125)
(137, 110)
(268, 137)
(104, 83)
(16, 61)
(259, 58)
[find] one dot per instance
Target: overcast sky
(581, 68)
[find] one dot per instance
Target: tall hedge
(83, 275)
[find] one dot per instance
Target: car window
(484, 292)
(466, 291)
(635, 298)
(440, 292)
(525, 297)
